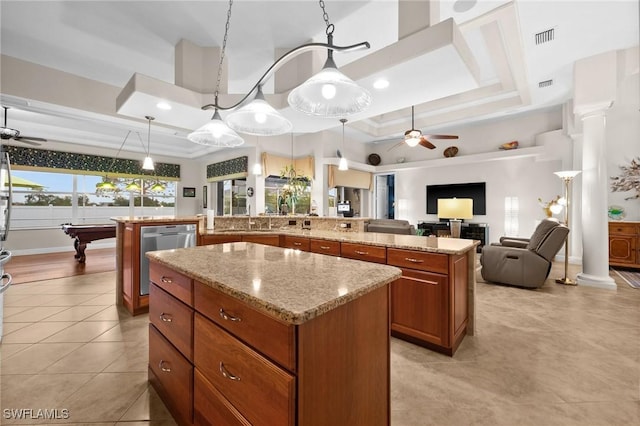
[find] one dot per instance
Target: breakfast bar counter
(245, 333)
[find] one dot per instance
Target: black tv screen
(475, 191)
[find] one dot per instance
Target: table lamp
(455, 209)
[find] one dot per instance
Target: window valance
(350, 178)
(235, 168)
(273, 165)
(71, 162)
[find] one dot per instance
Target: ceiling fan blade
(441, 136)
(29, 140)
(396, 145)
(424, 142)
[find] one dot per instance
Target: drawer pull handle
(163, 368)
(165, 318)
(297, 244)
(412, 260)
(362, 252)
(225, 373)
(325, 247)
(166, 280)
(228, 317)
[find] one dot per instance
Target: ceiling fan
(414, 137)
(7, 133)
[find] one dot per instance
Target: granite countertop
(289, 284)
(409, 242)
(144, 219)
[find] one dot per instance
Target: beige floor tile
(76, 313)
(10, 327)
(84, 331)
(34, 314)
(89, 358)
(135, 357)
(33, 299)
(71, 299)
(8, 349)
(148, 406)
(36, 358)
(111, 313)
(35, 332)
(7, 311)
(134, 330)
(90, 404)
(103, 300)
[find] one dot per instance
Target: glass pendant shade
(259, 118)
(257, 169)
(216, 133)
(329, 93)
(106, 185)
(343, 165)
(157, 187)
(412, 141)
(133, 186)
(147, 164)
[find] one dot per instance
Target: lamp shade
(412, 137)
(259, 118)
(216, 133)
(157, 187)
(567, 174)
(329, 93)
(343, 165)
(133, 186)
(455, 208)
(147, 164)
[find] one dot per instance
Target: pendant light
(259, 118)
(216, 132)
(329, 93)
(147, 164)
(343, 165)
(157, 187)
(107, 184)
(133, 186)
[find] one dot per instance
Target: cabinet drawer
(364, 252)
(173, 319)
(266, 334)
(171, 375)
(210, 407)
(300, 243)
(623, 228)
(420, 260)
(325, 247)
(269, 240)
(261, 391)
(174, 283)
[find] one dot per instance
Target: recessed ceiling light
(163, 105)
(381, 83)
(461, 6)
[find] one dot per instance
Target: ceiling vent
(545, 36)
(545, 83)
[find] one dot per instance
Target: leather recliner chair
(524, 262)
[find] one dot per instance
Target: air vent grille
(545, 83)
(545, 36)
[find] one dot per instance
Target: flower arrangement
(553, 206)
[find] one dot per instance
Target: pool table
(84, 234)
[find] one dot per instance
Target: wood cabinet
(429, 304)
(266, 239)
(329, 247)
(205, 240)
(251, 367)
(624, 244)
(171, 319)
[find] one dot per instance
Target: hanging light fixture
(133, 186)
(107, 184)
(344, 165)
(412, 137)
(147, 164)
(157, 187)
(216, 132)
(259, 118)
(329, 93)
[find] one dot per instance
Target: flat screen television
(476, 191)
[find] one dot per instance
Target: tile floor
(554, 356)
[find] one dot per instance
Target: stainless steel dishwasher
(162, 237)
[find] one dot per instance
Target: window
(282, 196)
(45, 200)
(232, 196)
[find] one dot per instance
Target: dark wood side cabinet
(624, 244)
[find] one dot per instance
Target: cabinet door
(172, 376)
(622, 249)
(364, 252)
(300, 243)
(331, 248)
(219, 239)
(419, 307)
(172, 318)
(269, 240)
(210, 407)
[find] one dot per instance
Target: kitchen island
(245, 333)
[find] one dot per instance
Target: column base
(604, 282)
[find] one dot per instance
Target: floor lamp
(566, 176)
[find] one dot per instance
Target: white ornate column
(595, 232)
